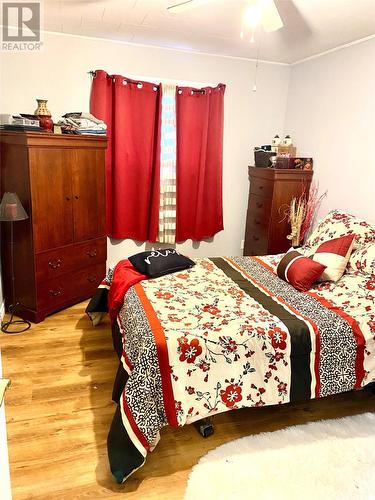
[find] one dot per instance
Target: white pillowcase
(363, 260)
(338, 223)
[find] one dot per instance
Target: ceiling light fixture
(251, 19)
(257, 13)
(260, 13)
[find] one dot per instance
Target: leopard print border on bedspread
(143, 394)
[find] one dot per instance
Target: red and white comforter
(228, 333)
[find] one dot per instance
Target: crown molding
(174, 49)
(210, 54)
(335, 49)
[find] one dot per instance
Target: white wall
(329, 110)
(331, 116)
(5, 487)
(59, 73)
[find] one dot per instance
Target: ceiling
(310, 26)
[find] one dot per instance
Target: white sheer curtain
(167, 207)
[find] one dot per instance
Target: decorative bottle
(287, 141)
(276, 141)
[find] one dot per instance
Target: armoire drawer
(262, 187)
(69, 258)
(258, 212)
(256, 245)
(80, 284)
(257, 225)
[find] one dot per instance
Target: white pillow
(363, 260)
(338, 223)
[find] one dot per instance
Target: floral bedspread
(228, 333)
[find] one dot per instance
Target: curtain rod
(199, 91)
(93, 74)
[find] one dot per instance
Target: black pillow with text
(157, 263)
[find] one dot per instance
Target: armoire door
(51, 194)
(88, 184)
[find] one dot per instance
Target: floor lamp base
(21, 324)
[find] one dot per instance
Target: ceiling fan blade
(271, 20)
(293, 16)
(182, 5)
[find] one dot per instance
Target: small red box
(284, 162)
(300, 163)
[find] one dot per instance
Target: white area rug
(331, 459)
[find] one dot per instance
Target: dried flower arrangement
(301, 213)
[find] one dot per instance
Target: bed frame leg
(205, 427)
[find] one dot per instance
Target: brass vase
(42, 110)
(44, 115)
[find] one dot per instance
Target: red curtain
(199, 123)
(132, 112)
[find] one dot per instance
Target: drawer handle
(92, 278)
(256, 222)
(259, 204)
(76, 197)
(261, 187)
(256, 238)
(57, 292)
(92, 253)
(67, 198)
(54, 264)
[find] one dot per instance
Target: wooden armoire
(271, 191)
(60, 250)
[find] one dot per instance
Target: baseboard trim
(2, 311)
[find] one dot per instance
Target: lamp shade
(11, 208)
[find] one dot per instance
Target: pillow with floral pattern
(338, 223)
(363, 260)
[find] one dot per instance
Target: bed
(228, 333)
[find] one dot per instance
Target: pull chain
(254, 89)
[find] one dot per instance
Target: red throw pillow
(298, 270)
(335, 255)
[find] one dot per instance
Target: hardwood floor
(59, 410)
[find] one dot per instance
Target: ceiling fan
(256, 13)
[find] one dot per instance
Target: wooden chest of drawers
(60, 250)
(271, 191)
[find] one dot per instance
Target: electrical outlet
(242, 244)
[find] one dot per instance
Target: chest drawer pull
(56, 293)
(54, 264)
(92, 253)
(256, 222)
(92, 278)
(256, 238)
(259, 204)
